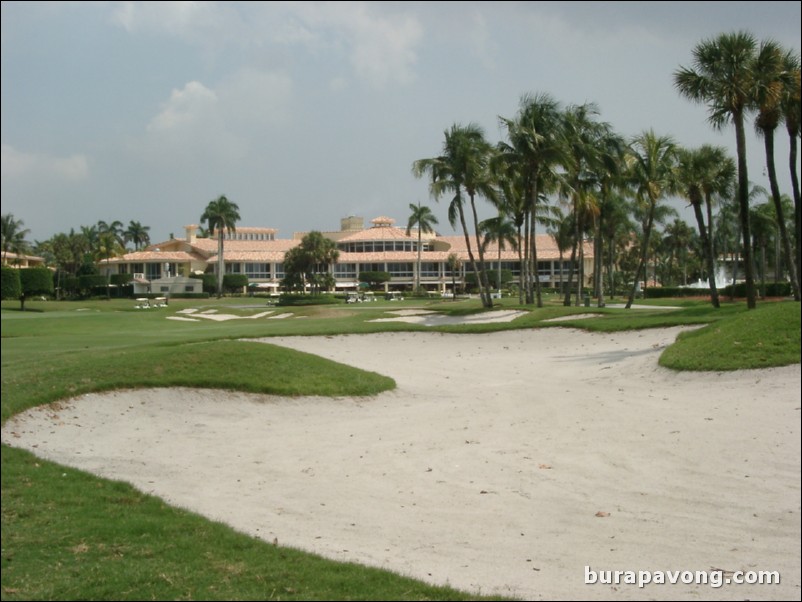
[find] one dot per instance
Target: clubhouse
(382, 247)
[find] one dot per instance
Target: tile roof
(378, 233)
(145, 256)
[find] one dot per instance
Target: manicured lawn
(69, 535)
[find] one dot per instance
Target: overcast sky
(304, 113)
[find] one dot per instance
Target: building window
(345, 271)
(257, 270)
(400, 270)
(189, 288)
(429, 269)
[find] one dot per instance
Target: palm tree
(615, 227)
(137, 234)
(764, 227)
(499, 230)
(109, 242)
(652, 173)
(222, 216)
(422, 218)
(537, 145)
(792, 107)
(562, 230)
(114, 230)
(677, 239)
(702, 174)
(13, 236)
(454, 264)
(772, 81)
(463, 167)
(722, 76)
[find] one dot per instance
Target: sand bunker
(503, 463)
(428, 318)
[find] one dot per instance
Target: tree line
(566, 156)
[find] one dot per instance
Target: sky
(303, 113)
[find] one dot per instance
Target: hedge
(36, 281)
(10, 286)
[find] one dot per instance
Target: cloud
(253, 97)
(220, 124)
(16, 164)
(381, 48)
(248, 99)
(191, 105)
(209, 24)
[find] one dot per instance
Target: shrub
(209, 282)
(36, 281)
(235, 283)
(10, 286)
(121, 279)
(290, 299)
(89, 282)
(374, 279)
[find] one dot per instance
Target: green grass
(70, 535)
(764, 338)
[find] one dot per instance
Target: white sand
(485, 469)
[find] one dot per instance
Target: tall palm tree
(764, 229)
(500, 230)
(595, 154)
(422, 218)
(512, 191)
(616, 227)
(537, 145)
(611, 168)
(110, 243)
(222, 216)
(13, 235)
(772, 81)
(652, 173)
(114, 230)
(137, 234)
(463, 168)
(454, 265)
(722, 76)
(702, 174)
(677, 239)
(792, 108)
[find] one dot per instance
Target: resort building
(381, 247)
(17, 260)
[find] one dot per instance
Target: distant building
(15, 260)
(382, 247)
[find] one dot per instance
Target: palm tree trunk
(743, 204)
(468, 243)
(526, 276)
(530, 295)
(220, 264)
(598, 262)
(580, 279)
(572, 263)
(484, 285)
(417, 271)
(647, 233)
(708, 251)
(797, 213)
(520, 269)
(498, 284)
(768, 140)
